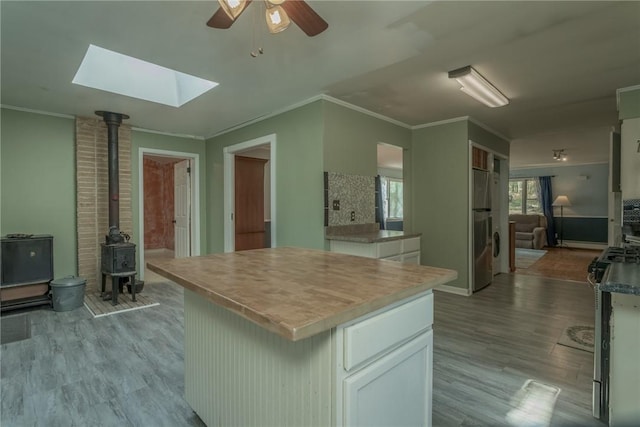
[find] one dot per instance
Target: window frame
(387, 199)
(524, 195)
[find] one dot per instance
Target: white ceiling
(559, 62)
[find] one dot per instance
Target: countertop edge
(369, 238)
(616, 279)
(306, 331)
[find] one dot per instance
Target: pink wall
(158, 204)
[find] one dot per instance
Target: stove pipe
(113, 121)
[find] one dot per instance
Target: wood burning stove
(118, 254)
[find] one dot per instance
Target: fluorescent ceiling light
(113, 72)
(476, 86)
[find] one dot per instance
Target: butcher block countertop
(298, 293)
(372, 237)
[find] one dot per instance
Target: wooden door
(249, 203)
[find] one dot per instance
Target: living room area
(559, 213)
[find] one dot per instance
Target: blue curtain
(379, 203)
(546, 199)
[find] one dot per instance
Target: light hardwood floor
(488, 345)
(127, 369)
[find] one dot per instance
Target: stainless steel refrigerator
(482, 242)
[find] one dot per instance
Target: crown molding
(556, 164)
(44, 113)
(488, 129)
(266, 116)
(178, 135)
(365, 111)
(440, 122)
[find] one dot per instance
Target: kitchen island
(293, 337)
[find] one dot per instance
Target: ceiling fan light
(277, 19)
(233, 8)
(276, 2)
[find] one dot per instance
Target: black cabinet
(26, 260)
(25, 271)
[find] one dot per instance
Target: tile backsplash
(348, 199)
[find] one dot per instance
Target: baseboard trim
(584, 245)
(453, 290)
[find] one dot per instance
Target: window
(393, 198)
(524, 196)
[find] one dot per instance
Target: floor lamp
(561, 201)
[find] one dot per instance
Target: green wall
(351, 139)
(629, 106)
(141, 139)
(38, 182)
(351, 146)
(299, 179)
(440, 181)
(481, 136)
(311, 139)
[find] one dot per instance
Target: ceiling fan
(279, 14)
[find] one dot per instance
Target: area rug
(527, 257)
(15, 328)
(98, 307)
(578, 336)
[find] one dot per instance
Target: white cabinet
(372, 370)
(393, 391)
(630, 159)
(624, 392)
(384, 367)
(405, 250)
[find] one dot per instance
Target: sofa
(531, 230)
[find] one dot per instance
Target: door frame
(229, 154)
(195, 198)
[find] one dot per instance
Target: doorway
(255, 187)
(390, 204)
(169, 219)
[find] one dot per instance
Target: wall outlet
(353, 215)
(336, 205)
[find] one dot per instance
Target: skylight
(113, 72)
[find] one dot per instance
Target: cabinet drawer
(378, 334)
(387, 249)
(353, 248)
(411, 245)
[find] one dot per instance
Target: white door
(393, 391)
(182, 208)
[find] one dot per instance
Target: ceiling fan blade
(221, 20)
(304, 17)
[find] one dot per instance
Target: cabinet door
(393, 391)
(411, 258)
